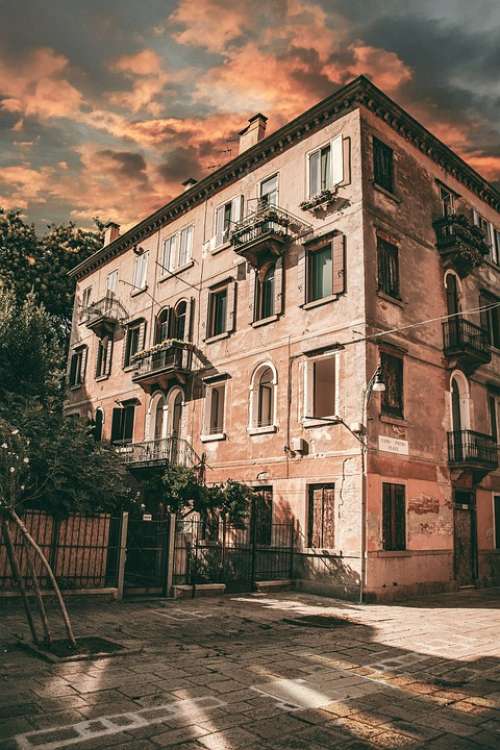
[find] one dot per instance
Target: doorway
(464, 537)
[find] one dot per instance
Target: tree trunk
(16, 574)
(39, 598)
(57, 590)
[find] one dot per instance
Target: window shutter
(83, 370)
(346, 150)
(338, 257)
(337, 160)
(301, 275)
(328, 517)
(483, 314)
(252, 288)
(400, 513)
(278, 286)
(142, 337)
(219, 225)
(188, 333)
(236, 209)
(231, 307)
(116, 425)
(125, 346)
(109, 355)
(72, 368)
(204, 301)
(386, 516)
(128, 422)
(316, 517)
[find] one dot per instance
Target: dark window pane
(383, 169)
(265, 395)
(321, 517)
(388, 268)
(324, 387)
(393, 517)
(218, 316)
(265, 295)
(497, 521)
(392, 397)
(320, 273)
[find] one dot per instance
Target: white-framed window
(177, 250)
(226, 215)
(85, 303)
(215, 404)
(263, 394)
(321, 391)
(325, 167)
(103, 358)
(447, 201)
(268, 190)
(112, 282)
(141, 271)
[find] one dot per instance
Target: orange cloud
(385, 68)
(212, 24)
(144, 63)
(144, 69)
(25, 185)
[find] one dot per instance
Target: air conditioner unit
(298, 445)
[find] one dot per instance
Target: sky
(107, 106)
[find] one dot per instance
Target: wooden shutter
(337, 160)
(328, 522)
(109, 355)
(252, 297)
(338, 264)
(188, 332)
(219, 225)
(142, 336)
(302, 275)
(72, 368)
(83, 369)
(400, 516)
(128, 422)
(204, 310)
(278, 286)
(315, 516)
(125, 342)
(116, 425)
(237, 208)
(386, 516)
(346, 150)
(231, 307)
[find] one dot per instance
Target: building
(245, 319)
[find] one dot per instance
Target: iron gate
(147, 557)
(238, 556)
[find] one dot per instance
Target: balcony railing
(170, 358)
(466, 341)
(103, 315)
(268, 226)
(460, 242)
(170, 450)
(474, 449)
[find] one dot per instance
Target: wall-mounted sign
(147, 517)
(393, 445)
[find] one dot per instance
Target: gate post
(253, 542)
(172, 525)
(122, 556)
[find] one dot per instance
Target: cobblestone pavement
(234, 672)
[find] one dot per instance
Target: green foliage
(40, 264)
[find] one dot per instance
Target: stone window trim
(253, 426)
(264, 321)
(172, 274)
(379, 143)
(212, 384)
(308, 419)
(323, 531)
(136, 292)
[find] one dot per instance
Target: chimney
(254, 132)
(111, 232)
(189, 183)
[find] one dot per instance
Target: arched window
(265, 294)
(263, 399)
(162, 321)
(179, 321)
(159, 418)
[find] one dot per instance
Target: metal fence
(238, 556)
(83, 551)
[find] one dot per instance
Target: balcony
(460, 242)
(263, 234)
(171, 360)
(103, 316)
(473, 451)
(158, 453)
(466, 345)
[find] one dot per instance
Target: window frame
(175, 266)
(208, 434)
(387, 253)
(102, 365)
(85, 303)
(125, 409)
(112, 274)
(490, 319)
(380, 146)
(310, 516)
(311, 254)
(128, 355)
(274, 175)
(142, 258)
(254, 428)
(388, 411)
(308, 418)
(212, 310)
(329, 182)
(218, 245)
(259, 312)
(79, 355)
(394, 544)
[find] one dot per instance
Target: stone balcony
(472, 452)
(158, 454)
(103, 316)
(460, 242)
(158, 366)
(465, 344)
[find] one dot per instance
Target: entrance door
(147, 556)
(464, 515)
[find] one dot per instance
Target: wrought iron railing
(472, 448)
(171, 355)
(267, 220)
(108, 307)
(458, 228)
(463, 336)
(173, 450)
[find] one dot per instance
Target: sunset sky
(106, 106)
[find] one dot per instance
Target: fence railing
(463, 336)
(83, 551)
(267, 219)
(173, 355)
(173, 450)
(458, 228)
(108, 307)
(472, 448)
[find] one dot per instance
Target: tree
(30, 263)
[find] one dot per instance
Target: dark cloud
(182, 162)
(128, 164)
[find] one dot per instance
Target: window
(112, 282)
(169, 254)
(217, 312)
(383, 165)
(269, 191)
(393, 517)
(490, 318)
(77, 366)
(492, 406)
(320, 273)
(98, 424)
(162, 325)
(215, 397)
(185, 246)
(103, 361)
(496, 246)
(321, 516)
(265, 406)
(122, 426)
(496, 510)
(392, 397)
(388, 268)
(264, 293)
(447, 201)
(225, 216)
(85, 302)
(484, 225)
(177, 250)
(179, 321)
(140, 271)
(320, 172)
(134, 341)
(321, 387)
(262, 509)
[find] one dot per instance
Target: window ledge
(262, 430)
(264, 321)
(75, 387)
(101, 377)
(330, 551)
(318, 302)
(172, 274)
(129, 368)
(395, 300)
(220, 248)
(320, 422)
(386, 192)
(387, 419)
(394, 553)
(212, 339)
(213, 437)
(136, 292)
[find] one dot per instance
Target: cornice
(358, 92)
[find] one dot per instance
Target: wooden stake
(39, 598)
(16, 574)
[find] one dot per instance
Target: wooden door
(464, 538)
